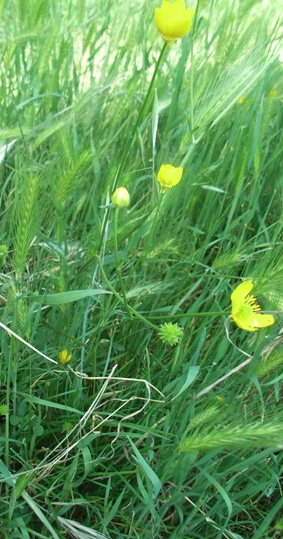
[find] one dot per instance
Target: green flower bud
(170, 333)
(121, 198)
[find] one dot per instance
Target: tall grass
(133, 438)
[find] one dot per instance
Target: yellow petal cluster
(169, 176)
(64, 357)
(173, 19)
(246, 311)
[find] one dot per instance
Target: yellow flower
(168, 176)
(246, 311)
(121, 198)
(64, 357)
(173, 20)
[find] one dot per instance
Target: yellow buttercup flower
(169, 176)
(64, 357)
(173, 20)
(246, 311)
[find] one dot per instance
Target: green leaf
(37, 510)
(148, 471)
(67, 297)
(191, 376)
(50, 404)
(6, 474)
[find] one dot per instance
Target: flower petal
(169, 176)
(239, 294)
(173, 20)
(263, 320)
(173, 9)
(254, 322)
(245, 309)
(162, 21)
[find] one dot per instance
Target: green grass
(134, 438)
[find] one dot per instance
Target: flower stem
(118, 262)
(154, 220)
(121, 299)
(142, 110)
(192, 40)
(189, 315)
(133, 132)
(120, 170)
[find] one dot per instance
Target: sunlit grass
(157, 416)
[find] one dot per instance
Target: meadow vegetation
(110, 426)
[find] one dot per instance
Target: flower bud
(64, 357)
(121, 198)
(170, 333)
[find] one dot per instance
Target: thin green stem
(118, 261)
(132, 135)
(201, 314)
(153, 224)
(121, 299)
(142, 110)
(116, 180)
(192, 72)
(7, 417)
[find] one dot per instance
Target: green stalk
(118, 262)
(121, 299)
(132, 136)
(153, 224)
(201, 314)
(192, 71)
(116, 180)
(8, 397)
(142, 110)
